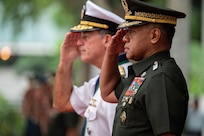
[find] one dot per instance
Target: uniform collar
(139, 67)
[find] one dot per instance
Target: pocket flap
(90, 113)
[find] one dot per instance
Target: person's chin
(126, 52)
(83, 59)
(127, 55)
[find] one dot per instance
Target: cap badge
(125, 7)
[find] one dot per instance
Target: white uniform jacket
(98, 113)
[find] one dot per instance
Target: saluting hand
(69, 49)
(116, 45)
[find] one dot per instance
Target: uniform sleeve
(82, 95)
(166, 105)
(119, 88)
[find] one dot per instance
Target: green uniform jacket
(153, 99)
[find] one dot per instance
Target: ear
(106, 39)
(155, 35)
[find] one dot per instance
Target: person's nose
(80, 42)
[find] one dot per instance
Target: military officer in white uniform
(88, 39)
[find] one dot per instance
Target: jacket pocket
(90, 113)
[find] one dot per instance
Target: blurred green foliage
(38, 65)
(196, 20)
(11, 120)
(64, 12)
(196, 66)
(19, 11)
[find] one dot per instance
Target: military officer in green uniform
(153, 100)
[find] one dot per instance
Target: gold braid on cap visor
(94, 24)
(151, 17)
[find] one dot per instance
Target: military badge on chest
(132, 90)
(129, 94)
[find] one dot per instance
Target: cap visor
(131, 24)
(83, 28)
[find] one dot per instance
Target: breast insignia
(122, 71)
(123, 116)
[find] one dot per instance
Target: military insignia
(124, 103)
(130, 100)
(123, 116)
(122, 71)
(93, 100)
(134, 87)
(132, 90)
(144, 74)
(83, 11)
(93, 103)
(125, 7)
(155, 66)
(125, 100)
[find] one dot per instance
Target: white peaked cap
(94, 17)
(99, 12)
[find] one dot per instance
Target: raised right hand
(69, 49)
(116, 45)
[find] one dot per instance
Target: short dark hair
(168, 30)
